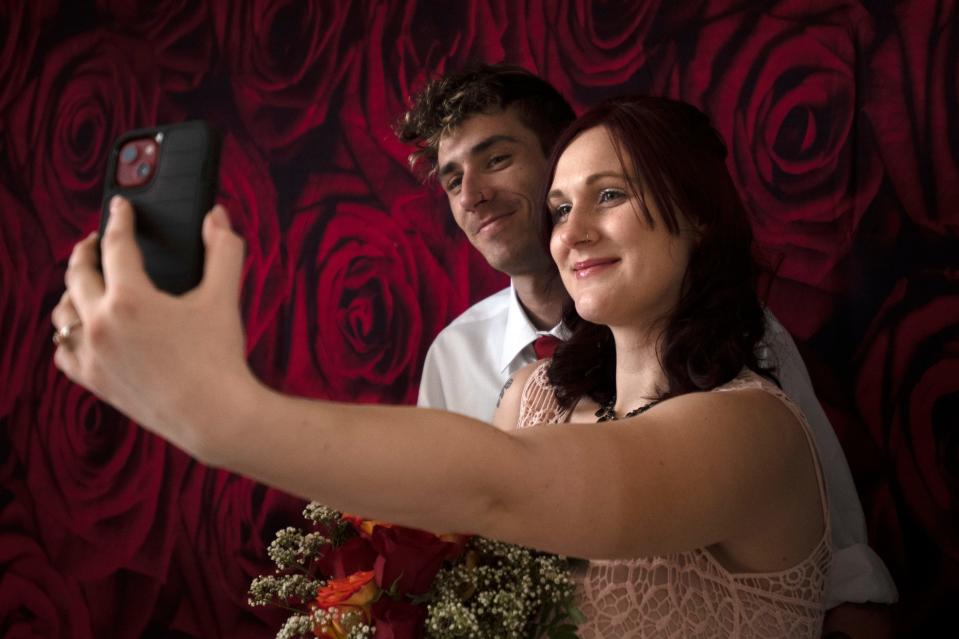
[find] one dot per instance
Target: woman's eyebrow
(605, 174)
(590, 180)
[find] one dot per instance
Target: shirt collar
(520, 332)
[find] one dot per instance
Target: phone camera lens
(143, 170)
(128, 154)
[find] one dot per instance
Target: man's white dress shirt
(471, 359)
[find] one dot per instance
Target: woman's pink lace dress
(689, 594)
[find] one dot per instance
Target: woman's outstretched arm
(690, 473)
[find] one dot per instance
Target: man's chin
(515, 263)
(506, 267)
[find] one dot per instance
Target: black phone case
(170, 209)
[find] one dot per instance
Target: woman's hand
(167, 362)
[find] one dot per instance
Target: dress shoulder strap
(538, 403)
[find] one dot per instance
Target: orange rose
(347, 602)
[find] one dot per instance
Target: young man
(485, 135)
(492, 163)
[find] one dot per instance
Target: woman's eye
(453, 183)
(561, 212)
(610, 195)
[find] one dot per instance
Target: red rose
(781, 89)
(90, 89)
(21, 24)
(408, 558)
(36, 598)
(355, 555)
(398, 619)
(906, 389)
(368, 296)
(108, 488)
(285, 60)
(911, 105)
(247, 190)
(25, 271)
(578, 45)
(180, 33)
(228, 523)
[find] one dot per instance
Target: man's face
(492, 169)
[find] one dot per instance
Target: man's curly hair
(445, 102)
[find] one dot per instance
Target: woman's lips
(587, 268)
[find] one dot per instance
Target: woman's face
(618, 270)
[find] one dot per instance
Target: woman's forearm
(423, 468)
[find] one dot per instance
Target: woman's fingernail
(220, 217)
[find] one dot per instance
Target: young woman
(711, 486)
(698, 495)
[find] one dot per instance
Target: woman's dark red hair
(678, 159)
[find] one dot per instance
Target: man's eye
(453, 183)
(497, 160)
(610, 195)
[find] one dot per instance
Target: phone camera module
(137, 162)
(128, 154)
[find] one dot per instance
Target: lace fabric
(690, 594)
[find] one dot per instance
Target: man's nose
(473, 192)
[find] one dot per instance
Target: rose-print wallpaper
(842, 119)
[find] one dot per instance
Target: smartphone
(169, 174)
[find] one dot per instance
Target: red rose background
(24, 261)
(585, 48)
(36, 599)
(841, 122)
(181, 34)
(785, 101)
(285, 61)
(913, 78)
(21, 24)
(89, 88)
(910, 411)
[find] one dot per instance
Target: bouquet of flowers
(353, 578)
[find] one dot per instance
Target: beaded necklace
(607, 413)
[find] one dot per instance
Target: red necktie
(544, 345)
